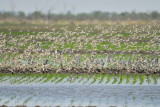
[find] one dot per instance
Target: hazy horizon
(79, 6)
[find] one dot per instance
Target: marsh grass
(102, 78)
(62, 77)
(83, 77)
(43, 78)
(6, 77)
(148, 79)
(30, 77)
(56, 76)
(28, 99)
(6, 102)
(20, 79)
(49, 77)
(135, 78)
(25, 80)
(115, 78)
(88, 78)
(128, 77)
(72, 101)
(35, 77)
(155, 79)
(96, 76)
(141, 77)
(109, 78)
(75, 77)
(122, 77)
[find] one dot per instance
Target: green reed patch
(122, 77)
(96, 76)
(84, 78)
(62, 77)
(155, 79)
(102, 78)
(135, 78)
(88, 78)
(142, 77)
(109, 78)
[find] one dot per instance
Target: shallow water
(80, 95)
(65, 93)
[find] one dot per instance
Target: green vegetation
(103, 77)
(109, 78)
(128, 78)
(155, 79)
(142, 77)
(96, 76)
(122, 77)
(135, 78)
(62, 77)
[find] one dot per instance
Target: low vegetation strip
(79, 78)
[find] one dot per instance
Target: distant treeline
(96, 15)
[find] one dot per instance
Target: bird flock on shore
(91, 49)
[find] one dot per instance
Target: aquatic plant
(102, 78)
(128, 78)
(122, 77)
(135, 78)
(28, 99)
(96, 76)
(134, 98)
(154, 79)
(6, 102)
(56, 76)
(114, 80)
(83, 76)
(74, 78)
(88, 78)
(35, 78)
(109, 78)
(62, 77)
(72, 101)
(142, 77)
(43, 78)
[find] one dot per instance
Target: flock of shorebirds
(83, 50)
